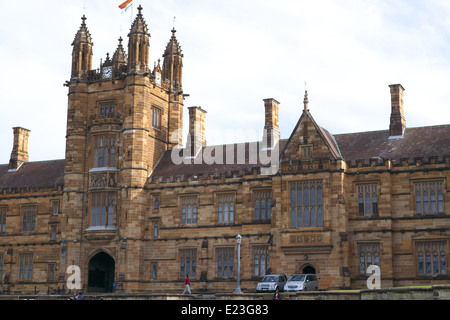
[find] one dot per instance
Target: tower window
(107, 108)
(156, 118)
(102, 209)
(104, 152)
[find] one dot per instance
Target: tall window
(25, 267)
(189, 210)
(156, 229)
(53, 233)
(368, 200)
(260, 260)
(369, 254)
(105, 148)
(429, 197)
(432, 258)
(306, 204)
(225, 263)
(102, 209)
(3, 212)
(225, 208)
(29, 218)
(51, 272)
(156, 118)
(154, 271)
(188, 263)
(156, 203)
(55, 207)
(263, 204)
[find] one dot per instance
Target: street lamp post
(238, 285)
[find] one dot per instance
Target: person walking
(187, 282)
(276, 296)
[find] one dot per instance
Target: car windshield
(297, 277)
(270, 279)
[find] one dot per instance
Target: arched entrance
(309, 270)
(101, 273)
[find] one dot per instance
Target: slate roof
(33, 174)
(423, 142)
(433, 141)
(166, 168)
(417, 142)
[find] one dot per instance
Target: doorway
(309, 270)
(101, 273)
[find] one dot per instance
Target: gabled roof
(318, 136)
(33, 174)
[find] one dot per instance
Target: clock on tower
(107, 72)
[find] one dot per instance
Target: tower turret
(172, 72)
(82, 52)
(173, 63)
(119, 58)
(138, 45)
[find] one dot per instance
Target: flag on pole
(126, 5)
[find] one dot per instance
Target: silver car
(271, 282)
(302, 282)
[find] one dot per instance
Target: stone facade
(133, 208)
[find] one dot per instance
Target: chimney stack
(271, 128)
(19, 153)
(398, 122)
(196, 138)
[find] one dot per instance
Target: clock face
(107, 73)
(158, 78)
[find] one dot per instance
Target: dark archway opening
(309, 270)
(101, 273)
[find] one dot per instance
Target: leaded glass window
(306, 204)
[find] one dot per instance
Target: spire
(119, 57)
(139, 24)
(82, 51)
(173, 47)
(173, 62)
(138, 44)
(83, 35)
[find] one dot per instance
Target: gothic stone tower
(121, 118)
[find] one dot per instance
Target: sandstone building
(131, 206)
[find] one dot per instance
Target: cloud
(238, 53)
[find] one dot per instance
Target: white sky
(237, 53)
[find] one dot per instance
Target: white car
(301, 282)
